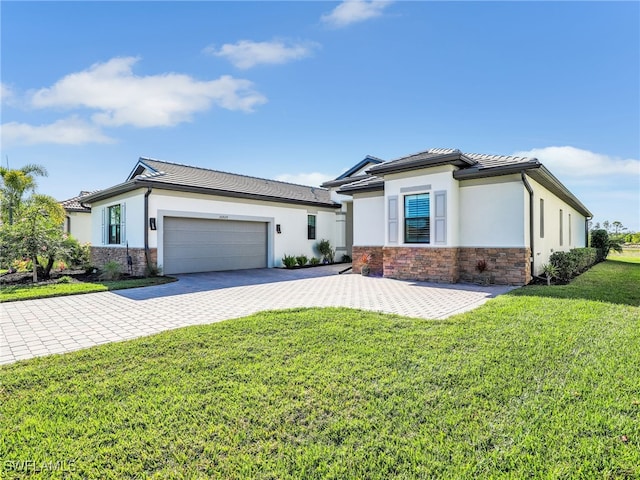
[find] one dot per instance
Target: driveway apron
(56, 325)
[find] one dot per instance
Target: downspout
(523, 175)
(146, 227)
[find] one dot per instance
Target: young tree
(37, 231)
(15, 183)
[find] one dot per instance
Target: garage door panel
(203, 245)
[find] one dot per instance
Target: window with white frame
(417, 228)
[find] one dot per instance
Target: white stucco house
(77, 217)
(436, 214)
(430, 216)
(186, 219)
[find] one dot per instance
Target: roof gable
(75, 204)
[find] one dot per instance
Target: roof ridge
(228, 173)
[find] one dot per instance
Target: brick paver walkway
(56, 325)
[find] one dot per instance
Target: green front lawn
(12, 293)
(534, 384)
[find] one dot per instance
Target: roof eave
(457, 159)
(471, 173)
(142, 182)
(549, 181)
(377, 187)
(344, 181)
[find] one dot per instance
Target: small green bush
(314, 261)
(111, 271)
(65, 279)
(302, 260)
(152, 270)
(289, 261)
(572, 263)
(346, 258)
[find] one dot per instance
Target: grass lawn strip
(533, 384)
(12, 293)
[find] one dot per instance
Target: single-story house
(440, 214)
(186, 219)
(78, 217)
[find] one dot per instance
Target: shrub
(78, 255)
(289, 261)
(603, 243)
(572, 263)
(152, 270)
(314, 261)
(302, 260)
(65, 279)
(111, 271)
(585, 257)
(346, 258)
(565, 264)
(325, 249)
(550, 271)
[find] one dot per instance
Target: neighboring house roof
(75, 204)
(349, 177)
(471, 165)
(172, 176)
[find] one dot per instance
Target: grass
(533, 384)
(12, 293)
(629, 254)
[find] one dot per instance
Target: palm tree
(14, 185)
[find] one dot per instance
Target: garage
(204, 245)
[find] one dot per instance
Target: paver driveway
(41, 327)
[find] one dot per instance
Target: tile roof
(471, 165)
(175, 176)
(74, 204)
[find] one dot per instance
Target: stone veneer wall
(417, 263)
(375, 265)
(505, 266)
(102, 255)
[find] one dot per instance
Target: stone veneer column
(505, 266)
(102, 255)
(421, 263)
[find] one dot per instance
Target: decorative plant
(302, 260)
(289, 261)
(550, 271)
(111, 271)
(325, 249)
(365, 258)
(346, 258)
(314, 261)
(481, 265)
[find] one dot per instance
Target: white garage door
(202, 245)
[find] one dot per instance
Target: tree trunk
(47, 269)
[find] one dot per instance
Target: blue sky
(301, 91)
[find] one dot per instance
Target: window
(541, 218)
(561, 236)
(113, 231)
(416, 219)
(311, 227)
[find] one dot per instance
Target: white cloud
(579, 164)
(68, 131)
(314, 179)
(123, 98)
(6, 93)
(246, 54)
(353, 11)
